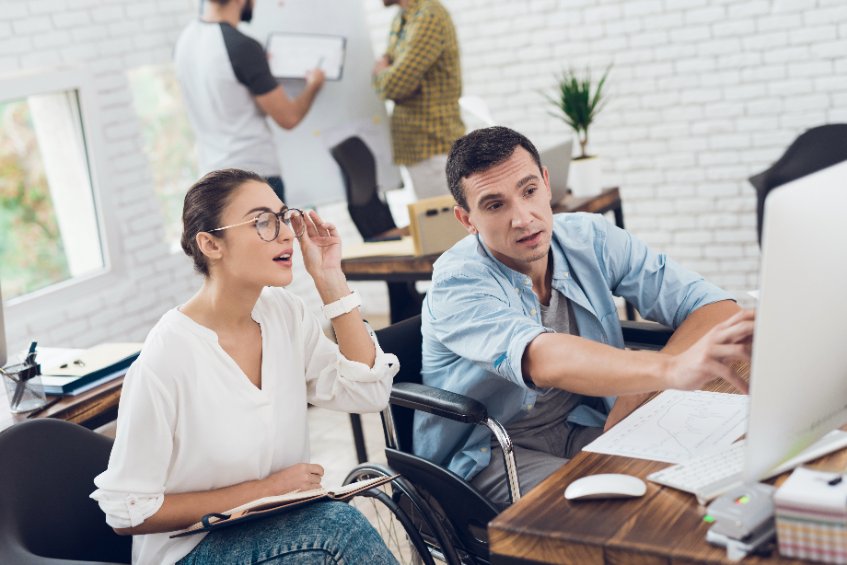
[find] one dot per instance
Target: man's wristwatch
(342, 305)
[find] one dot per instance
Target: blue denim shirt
(479, 316)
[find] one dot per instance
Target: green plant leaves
(577, 103)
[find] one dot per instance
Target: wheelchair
(429, 512)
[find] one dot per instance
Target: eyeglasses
(267, 223)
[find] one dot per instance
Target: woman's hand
(321, 246)
(302, 476)
(712, 355)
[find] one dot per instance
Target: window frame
(59, 296)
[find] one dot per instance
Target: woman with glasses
(213, 412)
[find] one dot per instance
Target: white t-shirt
(190, 420)
(220, 70)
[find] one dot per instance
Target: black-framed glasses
(267, 223)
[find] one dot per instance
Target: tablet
(292, 55)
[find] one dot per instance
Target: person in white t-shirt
(213, 412)
(229, 92)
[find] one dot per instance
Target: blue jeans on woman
(322, 533)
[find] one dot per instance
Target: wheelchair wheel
(403, 519)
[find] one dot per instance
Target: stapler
(743, 520)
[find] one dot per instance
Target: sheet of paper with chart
(677, 425)
(292, 55)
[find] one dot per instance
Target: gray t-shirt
(552, 405)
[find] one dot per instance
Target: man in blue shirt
(522, 318)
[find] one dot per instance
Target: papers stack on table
(811, 516)
(72, 371)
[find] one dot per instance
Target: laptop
(557, 159)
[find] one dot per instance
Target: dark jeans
(322, 533)
(278, 186)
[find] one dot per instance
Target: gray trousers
(548, 449)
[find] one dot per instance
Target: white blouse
(190, 420)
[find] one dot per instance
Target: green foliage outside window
(168, 140)
(31, 252)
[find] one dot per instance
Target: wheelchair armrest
(439, 402)
(645, 335)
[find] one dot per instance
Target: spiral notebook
(270, 505)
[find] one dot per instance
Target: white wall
(106, 38)
(704, 94)
(109, 38)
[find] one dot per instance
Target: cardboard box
(433, 225)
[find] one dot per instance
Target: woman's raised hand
(321, 246)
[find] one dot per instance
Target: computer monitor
(557, 159)
(798, 381)
(2, 333)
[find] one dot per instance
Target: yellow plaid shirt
(424, 81)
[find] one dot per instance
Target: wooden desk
(607, 201)
(662, 527)
(400, 271)
(92, 408)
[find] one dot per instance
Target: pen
(49, 403)
(30, 356)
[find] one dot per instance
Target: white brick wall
(107, 40)
(704, 94)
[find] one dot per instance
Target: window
(49, 223)
(168, 140)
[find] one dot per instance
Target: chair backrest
(46, 474)
(813, 150)
(369, 212)
(403, 339)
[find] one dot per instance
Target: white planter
(585, 177)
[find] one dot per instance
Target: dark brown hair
(203, 206)
(480, 150)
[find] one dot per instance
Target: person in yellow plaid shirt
(420, 72)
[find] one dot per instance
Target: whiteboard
(345, 107)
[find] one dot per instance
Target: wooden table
(404, 270)
(92, 408)
(664, 526)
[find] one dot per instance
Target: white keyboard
(711, 475)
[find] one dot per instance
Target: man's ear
(209, 245)
(464, 218)
(545, 174)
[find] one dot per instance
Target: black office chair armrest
(440, 402)
(645, 335)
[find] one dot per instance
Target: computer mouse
(606, 485)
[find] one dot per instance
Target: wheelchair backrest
(403, 339)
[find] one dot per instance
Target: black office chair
(46, 517)
(368, 210)
(813, 150)
(447, 515)
(372, 216)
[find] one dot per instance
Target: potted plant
(578, 102)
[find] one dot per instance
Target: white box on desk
(811, 516)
